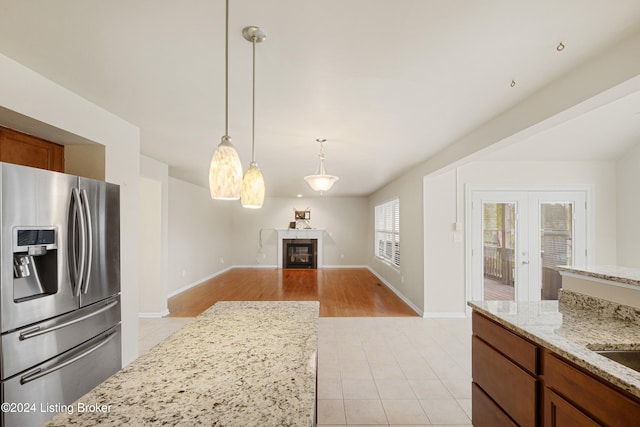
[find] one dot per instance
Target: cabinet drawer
(519, 350)
(484, 411)
(510, 387)
(592, 397)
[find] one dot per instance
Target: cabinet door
(560, 413)
(591, 395)
(26, 150)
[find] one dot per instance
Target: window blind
(387, 223)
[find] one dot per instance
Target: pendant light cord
(226, 72)
(321, 170)
(253, 105)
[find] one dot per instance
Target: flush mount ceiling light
(321, 181)
(225, 169)
(253, 188)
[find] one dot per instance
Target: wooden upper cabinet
(22, 149)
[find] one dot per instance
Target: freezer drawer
(34, 344)
(53, 386)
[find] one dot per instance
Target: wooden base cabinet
(504, 369)
(573, 394)
(518, 383)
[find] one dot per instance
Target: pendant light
(321, 181)
(253, 188)
(225, 169)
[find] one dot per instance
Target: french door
(519, 238)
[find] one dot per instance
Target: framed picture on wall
(303, 215)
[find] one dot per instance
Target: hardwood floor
(494, 290)
(353, 292)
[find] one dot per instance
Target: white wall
(152, 289)
(343, 218)
(46, 109)
(444, 275)
(409, 279)
(200, 233)
(154, 244)
(628, 209)
(445, 259)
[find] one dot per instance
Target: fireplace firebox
(300, 253)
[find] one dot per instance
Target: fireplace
(303, 238)
(300, 253)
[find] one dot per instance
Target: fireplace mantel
(292, 233)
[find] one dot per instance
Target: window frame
(387, 232)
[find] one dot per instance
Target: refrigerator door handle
(89, 239)
(39, 373)
(40, 331)
(82, 251)
(72, 243)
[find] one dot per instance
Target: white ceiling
(387, 83)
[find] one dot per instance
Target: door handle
(39, 373)
(89, 236)
(40, 331)
(78, 238)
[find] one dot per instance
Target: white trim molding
(197, 282)
(397, 292)
(154, 315)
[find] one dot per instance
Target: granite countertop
(238, 364)
(613, 273)
(573, 327)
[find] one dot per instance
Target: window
(387, 220)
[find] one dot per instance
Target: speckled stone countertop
(238, 364)
(614, 273)
(573, 327)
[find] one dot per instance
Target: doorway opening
(518, 239)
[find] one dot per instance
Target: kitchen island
(609, 282)
(237, 364)
(543, 353)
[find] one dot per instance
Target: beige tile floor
(153, 331)
(380, 371)
(394, 372)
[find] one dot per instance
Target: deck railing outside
(499, 264)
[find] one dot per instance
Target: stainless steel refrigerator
(60, 290)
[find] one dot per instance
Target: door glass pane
(556, 244)
(499, 241)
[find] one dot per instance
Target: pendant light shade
(253, 188)
(225, 169)
(321, 181)
(225, 172)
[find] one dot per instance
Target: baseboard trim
(397, 292)
(344, 266)
(444, 315)
(154, 315)
(197, 282)
(269, 266)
